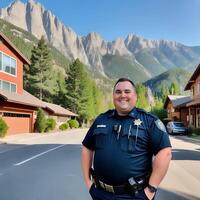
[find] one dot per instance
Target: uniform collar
(132, 113)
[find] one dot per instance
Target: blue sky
(176, 20)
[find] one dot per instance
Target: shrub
(40, 123)
(64, 126)
(50, 124)
(190, 130)
(3, 128)
(73, 123)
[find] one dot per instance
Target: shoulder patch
(160, 125)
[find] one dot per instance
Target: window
(7, 114)
(12, 66)
(7, 64)
(13, 87)
(4, 85)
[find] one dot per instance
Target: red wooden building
(18, 107)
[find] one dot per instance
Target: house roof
(58, 110)
(15, 48)
(30, 100)
(193, 78)
(24, 99)
(193, 102)
(177, 100)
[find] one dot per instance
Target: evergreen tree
(60, 97)
(174, 88)
(73, 83)
(158, 109)
(40, 79)
(83, 96)
(40, 123)
(164, 92)
(142, 101)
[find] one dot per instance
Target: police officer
(126, 151)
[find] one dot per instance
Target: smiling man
(120, 146)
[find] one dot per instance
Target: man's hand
(89, 184)
(149, 194)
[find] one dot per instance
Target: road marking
(38, 155)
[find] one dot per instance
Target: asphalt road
(48, 167)
(42, 171)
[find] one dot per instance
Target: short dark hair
(123, 80)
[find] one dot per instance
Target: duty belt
(139, 184)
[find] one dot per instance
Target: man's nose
(123, 94)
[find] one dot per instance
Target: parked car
(176, 128)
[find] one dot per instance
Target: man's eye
(127, 91)
(117, 92)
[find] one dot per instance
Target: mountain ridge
(150, 57)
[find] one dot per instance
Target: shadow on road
(181, 154)
(168, 195)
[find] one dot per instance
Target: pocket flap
(98, 131)
(133, 130)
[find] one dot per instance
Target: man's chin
(123, 111)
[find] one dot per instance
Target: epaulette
(147, 113)
(108, 112)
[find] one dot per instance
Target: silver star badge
(137, 122)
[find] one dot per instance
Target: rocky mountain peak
(92, 49)
(118, 47)
(94, 39)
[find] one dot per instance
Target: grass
(194, 136)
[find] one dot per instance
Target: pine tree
(40, 79)
(60, 96)
(142, 101)
(73, 83)
(174, 88)
(83, 96)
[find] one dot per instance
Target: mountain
(165, 79)
(136, 57)
(25, 41)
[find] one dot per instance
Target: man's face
(124, 97)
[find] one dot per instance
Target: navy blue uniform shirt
(124, 145)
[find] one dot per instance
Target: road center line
(38, 155)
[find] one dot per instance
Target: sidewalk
(188, 139)
(25, 137)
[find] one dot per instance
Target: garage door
(17, 123)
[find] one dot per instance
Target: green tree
(174, 88)
(73, 83)
(142, 101)
(158, 109)
(82, 93)
(3, 128)
(40, 123)
(40, 79)
(60, 96)
(164, 92)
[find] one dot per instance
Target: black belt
(126, 188)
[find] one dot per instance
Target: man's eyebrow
(119, 90)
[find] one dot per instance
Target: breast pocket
(100, 137)
(134, 139)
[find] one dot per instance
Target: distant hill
(165, 79)
(116, 66)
